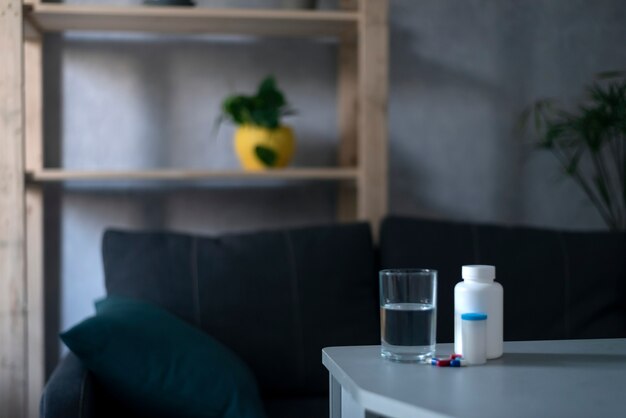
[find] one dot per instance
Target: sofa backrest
(557, 285)
(275, 298)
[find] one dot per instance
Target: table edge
(374, 402)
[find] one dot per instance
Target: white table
(575, 378)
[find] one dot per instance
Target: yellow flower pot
(260, 148)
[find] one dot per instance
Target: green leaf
(597, 93)
(266, 117)
(553, 135)
(592, 126)
(268, 156)
(572, 165)
(263, 109)
(603, 190)
(268, 94)
(267, 85)
(238, 108)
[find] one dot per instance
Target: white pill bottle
(478, 292)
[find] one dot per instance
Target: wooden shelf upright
(361, 29)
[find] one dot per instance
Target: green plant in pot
(261, 140)
(589, 141)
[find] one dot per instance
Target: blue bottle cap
(474, 316)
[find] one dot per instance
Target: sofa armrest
(70, 391)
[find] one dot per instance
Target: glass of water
(408, 314)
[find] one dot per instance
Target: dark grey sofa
(286, 294)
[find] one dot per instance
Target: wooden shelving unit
(361, 30)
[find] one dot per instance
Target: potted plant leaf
(589, 141)
(261, 140)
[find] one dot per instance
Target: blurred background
(461, 73)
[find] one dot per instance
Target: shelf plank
(57, 175)
(65, 17)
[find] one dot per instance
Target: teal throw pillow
(159, 365)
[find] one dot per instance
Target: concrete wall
(461, 72)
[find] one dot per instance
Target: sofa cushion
(572, 283)
(275, 298)
(161, 366)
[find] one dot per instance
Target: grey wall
(461, 72)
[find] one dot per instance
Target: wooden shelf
(58, 175)
(48, 17)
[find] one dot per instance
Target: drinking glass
(408, 314)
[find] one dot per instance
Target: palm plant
(590, 143)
